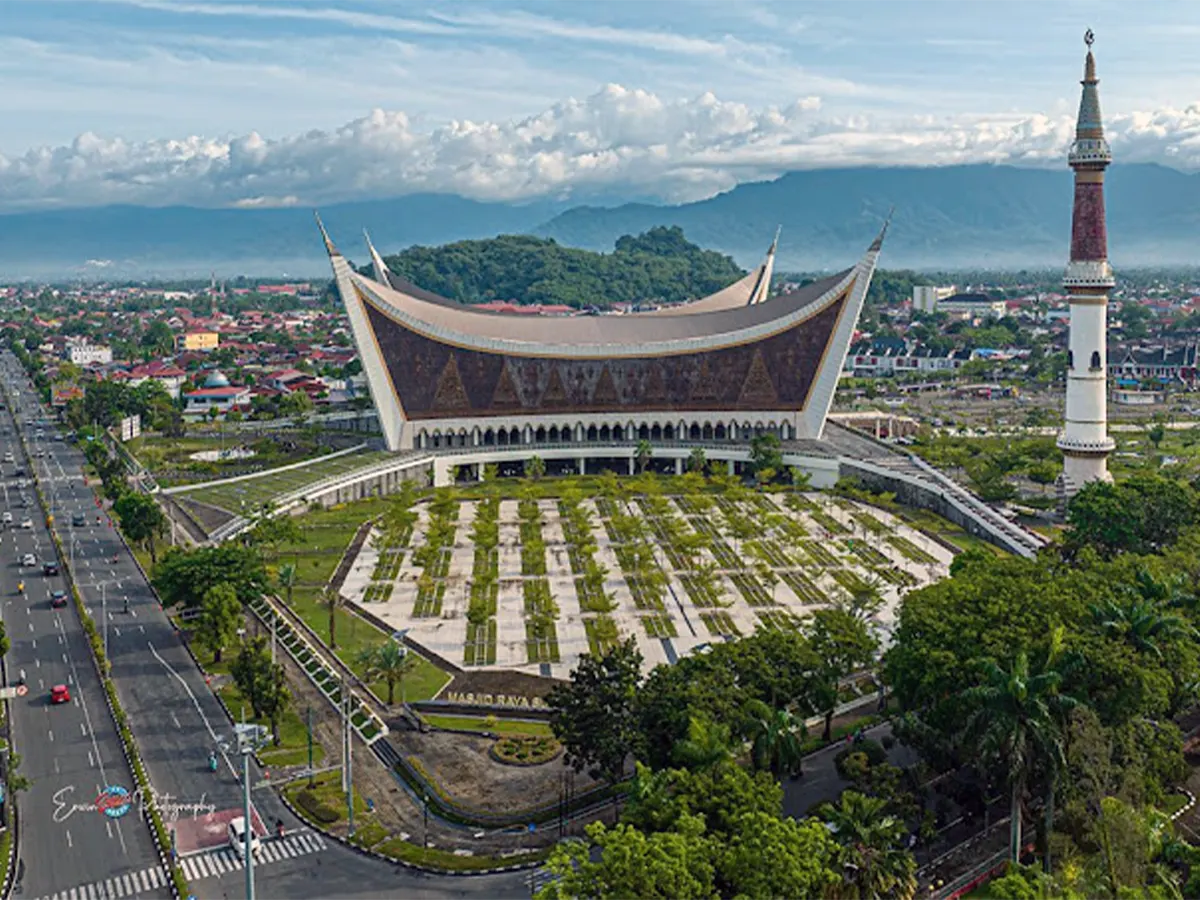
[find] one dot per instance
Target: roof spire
(377, 264)
(775, 242)
(877, 244)
(332, 250)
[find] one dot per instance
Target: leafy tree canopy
(660, 265)
(184, 577)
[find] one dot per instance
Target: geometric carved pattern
(556, 391)
(605, 393)
(451, 394)
(436, 380)
(505, 395)
(757, 390)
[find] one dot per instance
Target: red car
(60, 693)
(58, 599)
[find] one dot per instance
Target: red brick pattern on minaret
(1089, 237)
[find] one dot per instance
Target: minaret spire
(1084, 440)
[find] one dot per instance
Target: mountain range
(978, 216)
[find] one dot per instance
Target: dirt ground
(468, 775)
(402, 814)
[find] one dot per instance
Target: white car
(8, 518)
(236, 831)
(29, 560)
(27, 523)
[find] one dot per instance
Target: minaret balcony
(1089, 150)
(1069, 444)
(1095, 273)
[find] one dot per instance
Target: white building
(925, 297)
(84, 354)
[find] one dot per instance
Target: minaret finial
(1089, 38)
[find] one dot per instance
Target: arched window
(1095, 360)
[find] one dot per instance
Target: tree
(697, 460)
(801, 480)
(142, 520)
(536, 467)
(846, 645)
(332, 600)
(1140, 623)
(270, 531)
(874, 862)
(593, 714)
(1143, 514)
(765, 452)
(261, 682)
(706, 745)
(671, 865)
(642, 455)
(1017, 724)
(287, 578)
(220, 618)
(184, 576)
(776, 737)
(768, 857)
(387, 662)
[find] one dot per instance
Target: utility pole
(308, 719)
(249, 823)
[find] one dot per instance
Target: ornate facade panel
(436, 380)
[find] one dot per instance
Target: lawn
(254, 492)
(327, 533)
(292, 749)
(479, 723)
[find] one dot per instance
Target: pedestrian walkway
(199, 866)
(134, 884)
(196, 867)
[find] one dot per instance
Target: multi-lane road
(174, 716)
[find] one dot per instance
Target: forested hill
(659, 265)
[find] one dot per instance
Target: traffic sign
(18, 690)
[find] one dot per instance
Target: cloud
(618, 141)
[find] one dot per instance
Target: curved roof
(749, 289)
(600, 335)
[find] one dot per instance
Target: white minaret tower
(1084, 441)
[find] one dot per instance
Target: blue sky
(277, 101)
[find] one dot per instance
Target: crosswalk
(196, 867)
(218, 862)
(131, 884)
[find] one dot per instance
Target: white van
(236, 830)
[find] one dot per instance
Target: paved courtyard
(678, 572)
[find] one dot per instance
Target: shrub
(872, 750)
(312, 805)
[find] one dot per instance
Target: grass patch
(292, 749)
(327, 532)
(493, 724)
(254, 492)
(444, 859)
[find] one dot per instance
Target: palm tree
(776, 739)
(1141, 623)
(332, 601)
(1017, 722)
(287, 580)
(697, 460)
(875, 862)
(387, 662)
(536, 467)
(642, 454)
(707, 745)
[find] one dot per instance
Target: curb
(363, 851)
(109, 689)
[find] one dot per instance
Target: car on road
(58, 599)
(8, 518)
(29, 560)
(8, 457)
(27, 523)
(78, 520)
(60, 693)
(236, 831)
(50, 568)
